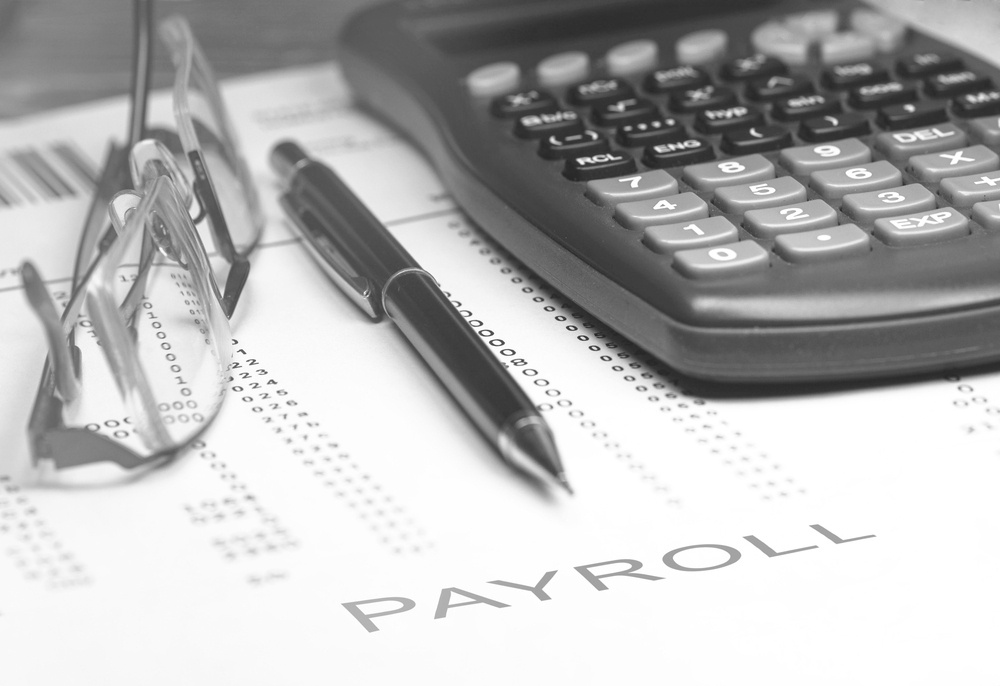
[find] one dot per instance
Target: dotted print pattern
(31, 545)
(330, 465)
(646, 375)
(982, 413)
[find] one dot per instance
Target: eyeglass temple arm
(142, 66)
(64, 370)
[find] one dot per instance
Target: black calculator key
(881, 94)
(756, 139)
(753, 67)
(716, 121)
(524, 102)
(600, 90)
(679, 153)
(705, 97)
(956, 82)
(775, 87)
(834, 126)
(676, 78)
(548, 123)
(558, 146)
(841, 76)
(911, 114)
(599, 166)
(805, 106)
(927, 63)
(650, 132)
(978, 104)
(617, 112)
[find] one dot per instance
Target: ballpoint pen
(358, 253)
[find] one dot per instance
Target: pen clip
(358, 288)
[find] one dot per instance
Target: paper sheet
(345, 524)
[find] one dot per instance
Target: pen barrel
(351, 224)
(458, 356)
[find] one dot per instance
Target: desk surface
(62, 52)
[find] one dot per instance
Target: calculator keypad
(827, 141)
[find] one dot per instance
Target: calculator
(750, 190)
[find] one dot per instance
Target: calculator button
(854, 74)
(650, 131)
(987, 214)
(775, 87)
(836, 183)
(548, 123)
(753, 67)
(633, 187)
(730, 259)
(920, 113)
(678, 153)
(865, 208)
(965, 191)
(677, 78)
(986, 130)
(956, 82)
(513, 105)
(700, 233)
(921, 227)
(821, 245)
(803, 216)
(710, 175)
(831, 127)
(599, 166)
(813, 24)
(846, 46)
(633, 56)
(662, 210)
(805, 106)
(493, 79)
(899, 145)
(705, 97)
(777, 40)
(716, 121)
(600, 90)
(701, 47)
(978, 104)
(783, 190)
(563, 68)
(806, 159)
(559, 146)
(622, 111)
(756, 139)
(961, 162)
(926, 63)
(888, 33)
(881, 94)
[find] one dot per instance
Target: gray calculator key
(751, 196)
(987, 214)
(846, 46)
(921, 228)
(986, 130)
(898, 145)
(836, 183)
(633, 56)
(700, 233)
(823, 244)
(708, 176)
(731, 259)
(563, 68)
(806, 159)
(968, 190)
(668, 209)
(632, 187)
(493, 79)
(938, 165)
(803, 216)
(701, 47)
(865, 208)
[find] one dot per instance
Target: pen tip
(528, 444)
(564, 482)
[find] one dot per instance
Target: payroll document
(342, 522)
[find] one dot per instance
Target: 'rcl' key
(599, 166)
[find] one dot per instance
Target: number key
(751, 196)
(710, 175)
(836, 183)
(648, 184)
(809, 158)
(701, 233)
(865, 208)
(803, 216)
(731, 259)
(663, 210)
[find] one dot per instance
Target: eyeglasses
(145, 293)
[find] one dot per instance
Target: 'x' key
(977, 159)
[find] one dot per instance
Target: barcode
(54, 172)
